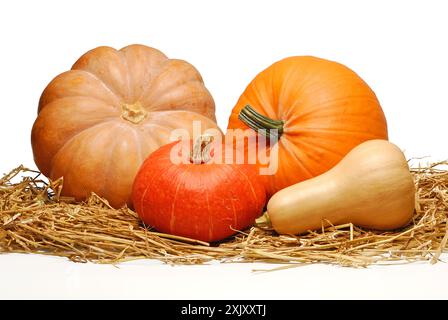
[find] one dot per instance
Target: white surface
(398, 47)
(41, 277)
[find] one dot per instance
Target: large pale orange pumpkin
(321, 109)
(97, 122)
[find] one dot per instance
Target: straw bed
(34, 218)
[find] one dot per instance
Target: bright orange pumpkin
(322, 110)
(202, 196)
(97, 122)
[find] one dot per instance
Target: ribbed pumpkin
(197, 194)
(97, 122)
(321, 109)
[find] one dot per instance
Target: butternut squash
(370, 187)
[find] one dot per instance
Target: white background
(398, 47)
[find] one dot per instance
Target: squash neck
(260, 123)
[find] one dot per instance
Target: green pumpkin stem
(256, 121)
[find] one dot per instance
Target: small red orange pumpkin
(206, 200)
